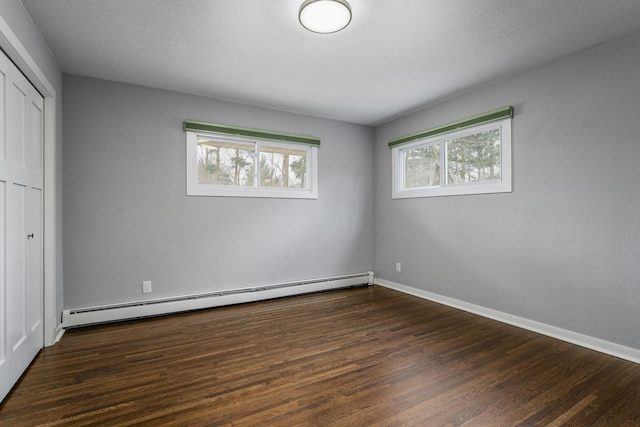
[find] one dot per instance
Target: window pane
(422, 167)
(225, 163)
(474, 158)
(283, 167)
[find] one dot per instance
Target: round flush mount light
(325, 16)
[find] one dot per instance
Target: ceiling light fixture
(325, 16)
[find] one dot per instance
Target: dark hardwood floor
(358, 357)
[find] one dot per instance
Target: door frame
(16, 51)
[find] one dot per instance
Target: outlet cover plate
(146, 287)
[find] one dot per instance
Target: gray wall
(22, 26)
(564, 247)
(127, 218)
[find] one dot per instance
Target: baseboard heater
(78, 317)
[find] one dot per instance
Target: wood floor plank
(358, 357)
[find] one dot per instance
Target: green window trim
(197, 126)
(480, 119)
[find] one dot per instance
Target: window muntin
(471, 161)
(223, 165)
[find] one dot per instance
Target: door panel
(21, 224)
(16, 104)
(4, 78)
(3, 286)
(16, 271)
(5, 383)
(35, 132)
(34, 264)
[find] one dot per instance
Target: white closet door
(21, 224)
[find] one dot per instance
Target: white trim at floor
(586, 341)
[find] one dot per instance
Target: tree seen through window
(233, 164)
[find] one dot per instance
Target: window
(471, 156)
(239, 162)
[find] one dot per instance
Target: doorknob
(30, 236)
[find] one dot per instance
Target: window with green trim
(250, 163)
(471, 156)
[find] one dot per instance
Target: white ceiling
(395, 57)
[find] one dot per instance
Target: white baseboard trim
(59, 333)
(602, 346)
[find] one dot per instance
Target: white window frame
(196, 189)
(503, 185)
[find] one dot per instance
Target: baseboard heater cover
(78, 317)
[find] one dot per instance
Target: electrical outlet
(398, 267)
(146, 287)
